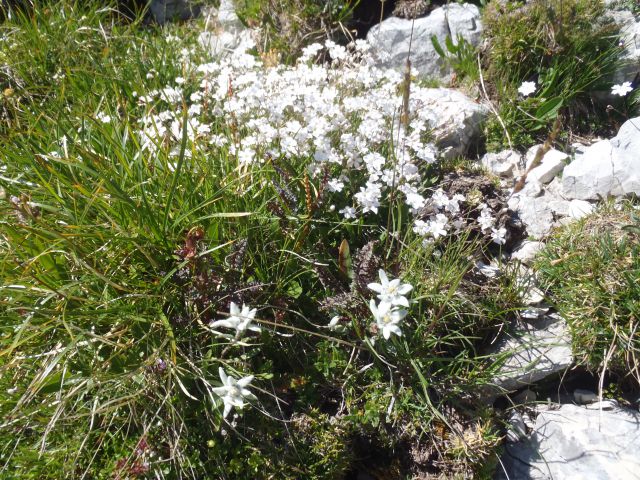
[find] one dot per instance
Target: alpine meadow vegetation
(232, 267)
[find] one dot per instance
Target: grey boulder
(574, 442)
(391, 39)
(606, 168)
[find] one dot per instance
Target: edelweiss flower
(621, 90)
(239, 320)
(392, 292)
(387, 320)
(527, 88)
(233, 391)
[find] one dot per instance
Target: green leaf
(450, 46)
(437, 47)
(549, 109)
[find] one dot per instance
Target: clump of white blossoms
(233, 392)
(622, 89)
(527, 88)
(239, 320)
(386, 314)
(338, 115)
(438, 225)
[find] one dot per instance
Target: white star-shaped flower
(233, 391)
(622, 89)
(239, 320)
(527, 88)
(387, 320)
(392, 292)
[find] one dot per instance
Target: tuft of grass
(591, 271)
(567, 48)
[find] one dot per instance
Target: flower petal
(222, 323)
(244, 381)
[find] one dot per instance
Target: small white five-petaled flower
(527, 88)
(387, 320)
(239, 320)
(622, 89)
(392, 292)
(233, 391)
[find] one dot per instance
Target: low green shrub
(591, 272)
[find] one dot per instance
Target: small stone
(532, 296)
(574, 442)
(533, 313)
(517, 428)
(393, 38)
(584, 396)
(606, 168)
(488, 271)
(530, 354)
(552, 163)
(505, 164)
(580, 208)
(526, 251)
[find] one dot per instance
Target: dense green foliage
(567, 47)
(592, 271)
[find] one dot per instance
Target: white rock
(526, 251)
(608, 167)
(573, 442)
(630, 36)
(532, 296)
(530, 354)
(454, 118)
(552, 163)
(489, 271)
(505, 164)
(390, 39)
(533, 313)
(580, 208)
(228, 34)
(535, 213)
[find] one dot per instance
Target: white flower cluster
(487, 223)
(437, 226)
(338, 117)
(387, 313)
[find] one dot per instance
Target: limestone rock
(629, 25)
(552, 163)
(228, 34)
(504, 164)
(576, 442)
(390, 39)
(580, 208)
(455, 118)
(533, 353)
(606, 168)
(527, 251)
